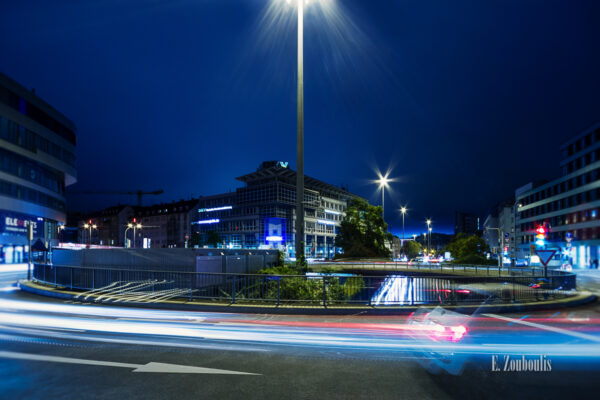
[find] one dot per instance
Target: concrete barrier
(190, 260)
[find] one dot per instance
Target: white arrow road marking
(547, 328)
(150, 367)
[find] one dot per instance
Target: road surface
(57, 349)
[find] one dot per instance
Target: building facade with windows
(500, 221)
(466, 223)
(261, 214)
(37, 161)
(166, 225)
(110, 225)
(566, 208)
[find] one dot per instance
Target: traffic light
(540, 236)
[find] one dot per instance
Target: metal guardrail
(121, 285)
(433, 267)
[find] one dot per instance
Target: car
(440, 332)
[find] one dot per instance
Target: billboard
(17, 223)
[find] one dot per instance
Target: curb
(41, 290)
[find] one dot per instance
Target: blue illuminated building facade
(261, 214)
(37, 161)
(568, 208)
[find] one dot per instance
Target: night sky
(466, 100)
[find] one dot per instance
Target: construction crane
(138, 193)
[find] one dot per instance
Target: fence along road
(119, 285)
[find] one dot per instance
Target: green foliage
(310, 289)
(213, 238)
(411, 248)
(475, 259)
(363, 232)
(195, 240)
(467, 249)
(280, 258)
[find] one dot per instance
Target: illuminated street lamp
(403, 212)
(90, 226)
(429, 240)
(300, 135)
(428, 222)
(383, 183)
(135, 225)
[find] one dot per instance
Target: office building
(37, 161)
(466, 223)
(566, 209)
(261, 214)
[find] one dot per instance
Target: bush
(475, 259)
(311, 289)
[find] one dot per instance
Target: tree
(195, 240)
(412, 248)
(363, 232)
(467, 249)
(213, 238)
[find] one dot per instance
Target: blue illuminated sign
(275, 230)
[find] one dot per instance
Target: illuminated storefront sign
(16, 223)
(325, 222)
(208, 221)
(215, 209)
(275, 230)
(332, 212)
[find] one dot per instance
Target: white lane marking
(150, 367)
(546, 327)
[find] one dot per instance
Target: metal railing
(444, 267)
(124, 285)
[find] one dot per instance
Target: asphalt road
(53, 349)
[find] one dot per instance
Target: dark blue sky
(466, 99)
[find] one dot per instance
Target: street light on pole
(429, 240)
(129, 226)
(300, 136)
(428, 222)
(135, 226)
(90, 226)
(383, 182)
(403, 212)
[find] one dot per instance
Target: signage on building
(16, 223)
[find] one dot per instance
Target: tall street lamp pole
(90, 226)
(300, 140)
(429, 240)
(135, 226)
(403, 211)
(428, 231)
(129, 226)
(383, 182)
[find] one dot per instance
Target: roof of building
(166, 208)
(581, 134)
(280, 169)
